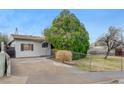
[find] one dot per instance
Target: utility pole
(16, 31)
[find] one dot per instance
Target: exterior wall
(37, 49)
(45, 51)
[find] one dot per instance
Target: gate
(11, 52)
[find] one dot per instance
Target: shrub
(77, 55)
(54, 52)
(63, 55)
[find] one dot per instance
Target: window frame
(30, 47)
(45, 45)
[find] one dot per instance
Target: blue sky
(33, 22)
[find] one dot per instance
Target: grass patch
(98, 63)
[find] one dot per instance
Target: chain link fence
(97, 62)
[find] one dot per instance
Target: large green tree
(68, 33)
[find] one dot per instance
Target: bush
(63, 55)
(54, 52)
(77, 55)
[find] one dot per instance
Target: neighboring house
(29, 46)
(119, 51)
(99, 50)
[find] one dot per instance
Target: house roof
(28, 37)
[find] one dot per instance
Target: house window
(26, 47)
(45, 45)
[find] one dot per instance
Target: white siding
(37, 49)
(45, 51)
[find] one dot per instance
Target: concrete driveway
(46, 71)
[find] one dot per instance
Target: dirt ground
(47, 71)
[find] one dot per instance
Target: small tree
(111, 40)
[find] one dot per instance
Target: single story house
(119, 51)
(29, 46)
(100, 50)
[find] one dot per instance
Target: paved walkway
(46, 71)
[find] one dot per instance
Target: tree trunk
(106, 56)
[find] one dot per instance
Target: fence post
(2, 47)
(90, 62)
(121, 64)
(121, 50)
(104, 65)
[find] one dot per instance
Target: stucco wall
(37, 49)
